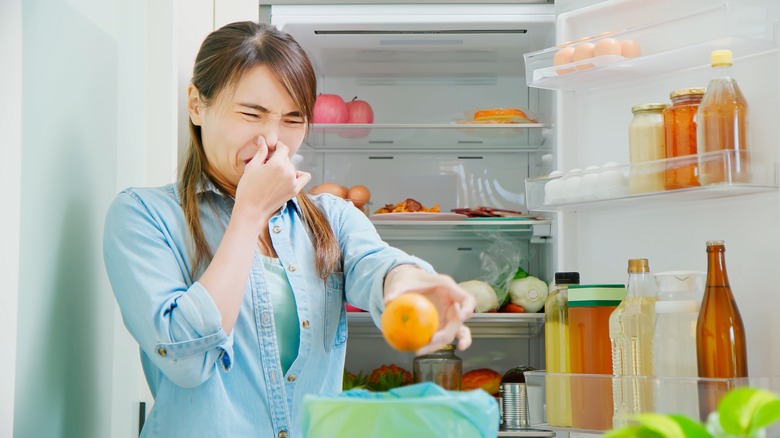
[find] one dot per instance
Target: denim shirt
(208, 383)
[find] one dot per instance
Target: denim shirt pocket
(335, 313)
(178, 350)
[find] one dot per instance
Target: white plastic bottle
(674, 342)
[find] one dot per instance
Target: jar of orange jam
(680, 138)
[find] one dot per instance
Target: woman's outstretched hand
(454, 305)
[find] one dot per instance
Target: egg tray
(744, 29)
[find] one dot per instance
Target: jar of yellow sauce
(646, 148)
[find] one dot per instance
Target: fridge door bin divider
(746, 30)
(610, 186)
(427, 137)
(482, 325)
(676, 390)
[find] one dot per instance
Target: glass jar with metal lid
(442, 367)
(646, 146)
(680, 138)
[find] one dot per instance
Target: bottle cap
(687, 92)
(679, 281)
(567, 278)
(648, 107)
(638, 265)
(716, 243)
(721, 57)
(684, 306)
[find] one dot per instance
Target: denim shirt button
(273, 376)
(162, 351)
(282, 433)
(291, 378)
(292, 268)
(305, 323)
(277, 229)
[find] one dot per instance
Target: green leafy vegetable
(743, 412)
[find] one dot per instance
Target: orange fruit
(409, 322)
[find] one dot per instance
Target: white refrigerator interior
(426, 68)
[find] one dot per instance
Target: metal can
(442, 367)
(514, 401)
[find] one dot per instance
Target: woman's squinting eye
(251, 115)
(294, 122)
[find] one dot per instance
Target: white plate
(419, 216)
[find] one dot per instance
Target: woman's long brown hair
(225, 55)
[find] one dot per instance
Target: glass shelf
(468, 229)
(615, 185)
(484, 325)
(426, 137)
(746, 30)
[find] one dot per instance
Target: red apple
(359, 112)
(330, 108)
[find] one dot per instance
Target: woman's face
(233, 126)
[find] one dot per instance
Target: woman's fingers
(301, 179)
(464, 337)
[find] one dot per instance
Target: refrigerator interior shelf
(482, 325)
(643, 183)
(746, 30)
(427, 137)
(590, 396)
(463, 230)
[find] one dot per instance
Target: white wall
(89, 108)
(10, 180)
(69, 132)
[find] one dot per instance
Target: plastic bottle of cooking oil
(722, 125)
(556, 350)
(631, 335)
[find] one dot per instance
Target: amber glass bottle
(720, 335)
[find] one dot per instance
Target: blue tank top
(288, 332)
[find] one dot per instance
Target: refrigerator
(426, 67)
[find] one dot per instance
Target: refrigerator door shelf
(746, 30)
(610, 186)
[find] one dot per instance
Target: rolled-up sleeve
(173, 318)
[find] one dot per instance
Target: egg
(612, 182)
(589, 183)
(607, 47)
(629, 48)
(564, 56)
(359, 195)
(332, 188)
(582, 52)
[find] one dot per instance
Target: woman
(233, 280)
